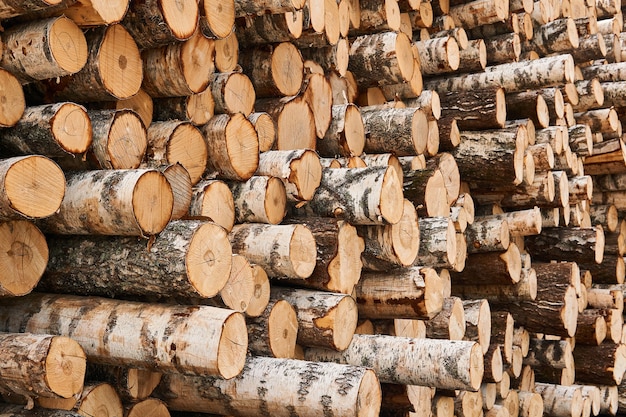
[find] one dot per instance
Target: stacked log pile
(312, 207)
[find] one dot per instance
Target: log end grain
(153, 202)
(344, 269)
(68, 46)
(142, 382)
(181, 16)
(197, 62)
(182, 190)
(100, 400)
(65, 367)
(120, 65)
(283, 330)
(97, 12)
(265, 130)
(242, 146)
(287, 68)
(239, 288)
(233, 346)
(433, 292)
(126, 142)
(149, 407)
(275, 201)
(405, 235)
(239, 95)
(209, 259)
(419, 131)
(306, 174)
(227, 53)
(477, 367)
(261, 296)
(302, 251)
(142, 104)
(71, 127)
(201, 107)
(370, 396)
(391, 197)
(219, 16)
(295, 126)
(216, 203)
(25, 257)
(12, 101)
(34, 186)
(187, 147)
(599, 246)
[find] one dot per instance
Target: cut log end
(68, 45)
(220, 16)
(71, 127)
(217, 204)
(261, 295)
(239, 95)
(233, 346)
(275, 200)
(182, 190)
(306, 174)
(153, 202)
(181, 16)
(127, 141)
(302, 249)
(344, 318)
(65, 367)
(283, 330)
(405, 235)
(209, 259)
(287, 68)
(513, 261)
(391, 197)
(434, 292)
(121, 67)
(41, 195)
(265, 130)
(620, 364)
(242, 145)
(186, 146)
(12, 101)
(100, 400)
(476, 366)
(142, 382)
(239, 287)
(370, 396)
(148, 407)
(599, 247)
(404, 54)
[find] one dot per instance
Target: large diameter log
(233, 146)
(325, 319)
(232, 92)
(214, 200)
(412, 293)
(274, 332)
(300, 171)
(179, 69)
(339, 249)
(44, 49)
(539, 73)
(438, 55)
(12, 101)
(41, 365)
(26, 257)
(362, 196)
(154, 23)
(282, 250)
(38, 197)
(55, 130)
(401, 131)
(171, 338)
(395, 360)
(114, 202)
(389, 50)
(274, 71)
(392, 246)
(603, 364)
(132, 384)
(295, 121)
(316, 388)
(566, 244)
(177, 142)
(197, 254)
(113, 70)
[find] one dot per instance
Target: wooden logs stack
(397, 208)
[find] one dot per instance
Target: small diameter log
(546, 356)
(113, 71)
(177, 142)
(525, 289)
(491, 268)
(26, 257)
(605, 215)
(325, 319)
(474, 56)
(488, 234)
(478, 322)
(265, 130)
(295, 121)
(44, 49)
(132, 384)
(411, 293)
(468, 404)
(479, 13)
(261, 295)
(89, 13)
(150, 406)
(12, 101)
(503, 48)
(197, 254)
(560, 400)
(591, 328)
(96, 398)
(260, 199)
(401, 131)
(55, 130)
(609, 399)
(438, 55)
(274, 70)
(156, 23)
(233, 146)
(182, 189)
(392, 246)
(41, 365)
(349, 390)
(362, 196)
(494, 367)
(33, 187)
(523, 222)
(426, 188)
(238, 289)
(565, 244)
(274, 332)
(214, 200)
(180, 68)
(233, 93)
(196, 108)
(317, 93)
(601, 120)
(300, 170)
(437, 242)
(345, 135)
(531, 404)
(282, 250)
(389, 50)
(113, 202)
(191, 339)
(395, 360)
(529, 105)
(449, 323)
(475, 110)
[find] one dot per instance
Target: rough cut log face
(315, 387)
(174, 338)
(132, 384)
(261, 199)
(217, 18)
(214, 200)
(299, 169)
(274, 332)
(44, 49)
(189, 258)
(12, 101)
(114, 202)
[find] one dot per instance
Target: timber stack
(312, 207)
